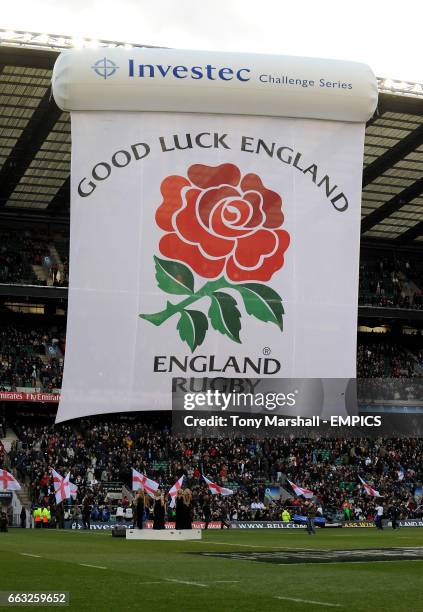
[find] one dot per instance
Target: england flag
(8, 482)
(369, 489)
(174, 490)
(72, 487)
(216, 489)
(139, 481)
(61, 485)
(301, 491)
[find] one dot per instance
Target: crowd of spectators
(391, 282)
(21, 251)
(387, 360)
(98, 452)
(31, 357)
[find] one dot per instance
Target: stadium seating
(392, 281)
(98, 450)
(31, 357)
(33, 259)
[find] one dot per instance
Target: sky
(384, 34)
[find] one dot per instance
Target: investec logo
(105, 68)
(167, 71)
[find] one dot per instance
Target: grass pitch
(105, 573)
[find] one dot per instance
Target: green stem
(158, 318)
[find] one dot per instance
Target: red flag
(301, 491)
(216, 489)
(139, 481)
(8, 482)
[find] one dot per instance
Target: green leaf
(192, 327)
(173, 277)
(262, 302)
(224, 315)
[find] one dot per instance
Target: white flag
(8, 482)
(139, 481)
(369, 489)
(217, 489)
(301, 490)
(72, 487)
(174, 490)
(61, 486)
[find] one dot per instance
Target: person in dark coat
(139, 509)
(159, 511)
(395, 514)
(23, 517)
(86, 512)
(179, 510)
(60, 516)
(3, 522)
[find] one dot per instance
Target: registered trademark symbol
(266, 350)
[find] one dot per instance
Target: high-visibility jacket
(46, 515)
(286, 516)
(37, 514)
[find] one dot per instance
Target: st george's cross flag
(216, 489)
(61, 486)
(174, 490)
(72, 487)
(8, 482)
(369, 489)
(301, 491)
(73, 490)
(139, 481)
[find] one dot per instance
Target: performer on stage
(187, 501)
(138, 509)
(179, 510)
(159, 511)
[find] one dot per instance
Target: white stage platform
(163, 534)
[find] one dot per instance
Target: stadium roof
(35, 143)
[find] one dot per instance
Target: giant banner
(209, 244)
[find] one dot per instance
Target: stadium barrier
(297, 523)
(101, 525)
(386, 523)
(409, 523)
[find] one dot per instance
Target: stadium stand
(101, 451)
(26, 258)
(391, 281)
(31, 357)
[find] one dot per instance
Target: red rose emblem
(217, 221)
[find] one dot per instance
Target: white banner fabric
(237, 240)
